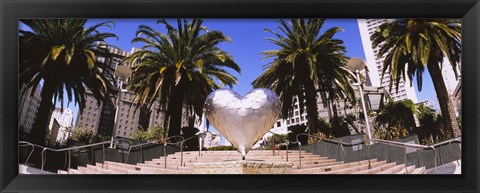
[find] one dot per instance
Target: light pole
(357, 64)
(122, 72)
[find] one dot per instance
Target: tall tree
(410, 45)
(306, 63)
(61, 54)
(180, 68)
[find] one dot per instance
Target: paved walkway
(449, 168)
(23, 169)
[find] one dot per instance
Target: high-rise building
(28, 107)
(375, 65)
(89, 117)
(65, 121)
(449, 78)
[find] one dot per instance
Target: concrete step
(355, 168)
(332, 167)
(238, 157)
(377, 169)
(98, 168)
(235, 153)
(145, 169)
(394, 169)
(74, 171)
(71, 171)
(410, 169)
(86, 170)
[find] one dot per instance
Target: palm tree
(410, 45)
(62, 53)
(306, 63)
(179, 69)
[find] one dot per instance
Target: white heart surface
(242, 120)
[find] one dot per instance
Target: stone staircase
(311, 164)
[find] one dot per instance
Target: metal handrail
(44, 149)
(339, 142)
(287, 142)
(25, 144)
(418, 146)
(166, 142)
(385, 142)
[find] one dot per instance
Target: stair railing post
(103, 155)
(273, 150)
(435, 158)
(199, 146)
(405, 159)
(339, 148)
(141, 153)
(368, 154)
(31, 152)
(93, 155)
(70, 161)
(43, 158)
(299, 154)
(181, 152)
(165, 152)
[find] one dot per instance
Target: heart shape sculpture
(242, 120)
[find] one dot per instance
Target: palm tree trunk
(312, 111)
(38, 134)
(446, 105)
(175, 112)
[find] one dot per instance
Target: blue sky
(248, 40)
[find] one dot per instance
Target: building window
(278, 123)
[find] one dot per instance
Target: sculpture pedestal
(243, 167)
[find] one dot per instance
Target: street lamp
(122, 72)
(357, 64)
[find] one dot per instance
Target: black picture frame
(11, 11)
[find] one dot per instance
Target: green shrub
(87, 136)
(151, 134)
(222, 148)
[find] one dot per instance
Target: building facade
(375, 65)
(64, 119)
(28, 107)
